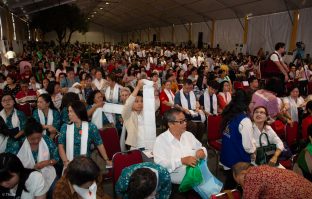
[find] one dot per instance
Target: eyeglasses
(180, 122)
(260, 112)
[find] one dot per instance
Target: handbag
(264, 153)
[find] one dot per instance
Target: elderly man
(185, 100)
(177, 148)
(270, 182)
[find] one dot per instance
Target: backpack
(267, 67)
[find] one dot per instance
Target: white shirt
(100, 85)
(273, 138)
(168, 152)
(34, 185)
(274, 57)
(246, 129)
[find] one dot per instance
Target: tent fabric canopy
(124, 16)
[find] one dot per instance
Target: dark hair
(309, 106)
(239, 167)
(112, 76)
(9, 164)
(4, 129)
(193, 69)
(239, 104)
(80, 109)
(214, 84)
(88, 77)
(142, 183)
(199, 82)
(275, 85)
(129, 70)
(32, 126)
(47, 98)
(12, 77)
(292, 87)
(251, 79)
(81, 170)
(170, 115)
(68, 98)
(279, 45)
(91, 97)
(81, 75)
(222, 85)
(188, 81)
(51, 86)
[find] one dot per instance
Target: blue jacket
(232, 150)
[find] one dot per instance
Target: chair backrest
(291, 133)
(232, 194)
(110, 140)
(306, 122)
(279, 128)
(214, 122)
(122, 160)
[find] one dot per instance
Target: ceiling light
(88, 18)
(107, 3)
(94, 12)
(92, 15)
(101, 8)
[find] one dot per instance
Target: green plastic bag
(192, 177)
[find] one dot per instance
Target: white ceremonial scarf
(27, 158)
(115, 94)
(170, 95)
(184, 102)
(15, 120)
(3, 143)
(149, 115)
(42, 118)
(208, 104)
(122, 139)
(97, 117)
(293, 109)
(98, 84)
(89, 193)
(70, 140)
(228, 97)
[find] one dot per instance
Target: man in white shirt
(276, 57)
(177, 148)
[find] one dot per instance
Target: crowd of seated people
(52, 109)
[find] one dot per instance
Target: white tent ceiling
(127, 15)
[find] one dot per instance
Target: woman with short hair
(81, 179)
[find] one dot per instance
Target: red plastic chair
(232, 194)
(238, 85)
(111, 143)
(291, 134)
(306, 122)
(214, 136)
(291, 139)
(279, 128)
(122, 160)
(310, 88)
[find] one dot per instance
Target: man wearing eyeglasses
(177, 148)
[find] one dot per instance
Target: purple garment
(267, 99)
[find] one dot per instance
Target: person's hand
(109, 163)
(272, 161)
(189, 161)
(140, 83)
(200, 154)
(286, 78)
(19, 134)
(40, 165)
(99, 105)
